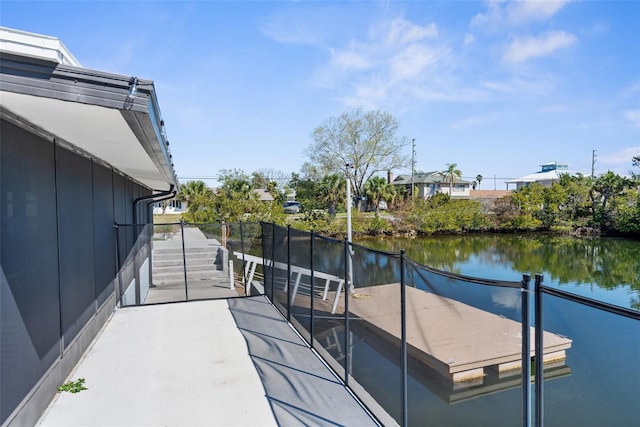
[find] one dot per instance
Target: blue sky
(496, 87)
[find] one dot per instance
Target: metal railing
(414, 343)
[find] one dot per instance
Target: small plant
(73, 386)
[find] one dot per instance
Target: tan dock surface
(455, 338)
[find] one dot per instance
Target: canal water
(596, 385)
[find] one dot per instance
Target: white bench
(252, 261)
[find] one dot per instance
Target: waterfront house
(428, 184)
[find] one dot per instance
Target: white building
(548, 174)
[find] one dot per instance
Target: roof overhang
(110, 118)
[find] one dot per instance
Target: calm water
(598, 383)
(605, 269)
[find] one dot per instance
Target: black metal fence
(421, 345)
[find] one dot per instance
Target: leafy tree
(450, 175)
(377, 189)
(332, 190)
(307, 191)
(635, 161)
(366, 140)
(191, 190)
(529, 201)
(605, 189)
(479, 180)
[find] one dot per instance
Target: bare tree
(366, 141)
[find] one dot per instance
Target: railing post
(289, 273)
(403, 326)
(273, 257)
(118, 263)
(247, 286)
(311, 317)
(526, 353)
(347, 329)
(136, 271)
(539, 353)
(184, 262)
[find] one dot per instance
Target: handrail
(253, 261)
(611, 308)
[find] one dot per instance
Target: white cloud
(395, 59)
(350, 60)
(633, 116)
(622, 156)
(413, 60)
(469, 39)
(510, 13)
(522, 49)
(401, 32)
(532, 10)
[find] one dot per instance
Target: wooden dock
(459, 341)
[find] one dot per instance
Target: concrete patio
(229, 362)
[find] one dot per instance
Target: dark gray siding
(29, 311)
(57, 252)
(103, 233)
(75, 234)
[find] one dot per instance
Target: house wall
(57, 263)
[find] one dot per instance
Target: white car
(292, 207)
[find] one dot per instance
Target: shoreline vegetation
(608, 205)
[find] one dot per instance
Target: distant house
(264, 195)
(428, 184)
(548, 174)
(175, 206)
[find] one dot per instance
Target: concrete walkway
(173, 364)
(209, 363)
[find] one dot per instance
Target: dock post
(539, 353)
(403, 326)
(526, 353)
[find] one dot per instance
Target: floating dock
(459, 341)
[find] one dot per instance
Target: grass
(167, 218)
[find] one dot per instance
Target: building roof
(36, 45)
(549, 172)
(264, 195)
(110, 118)
(434, 177)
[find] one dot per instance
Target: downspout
(166, 195)
(158, 197)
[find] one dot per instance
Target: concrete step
(188, 249)
(191, 275)
(189, 256)
(157, 269)
(167, 262)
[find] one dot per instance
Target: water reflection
(606, 269)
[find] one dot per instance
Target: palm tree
(377, 189)
(332, 189)
(479, 180)
(190, 190)
(451, 174)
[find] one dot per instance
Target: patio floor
(229, 362)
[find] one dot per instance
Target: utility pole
(413, 164)
(593, 163)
